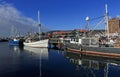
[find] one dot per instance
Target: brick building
(114, 25)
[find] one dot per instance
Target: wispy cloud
(10, 16)
(118, 16)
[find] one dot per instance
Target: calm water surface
(42, 62)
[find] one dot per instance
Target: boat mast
(12, 32)
(39, 25)
(106, 16)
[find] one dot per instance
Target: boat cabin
(76, 40)
(90, 42)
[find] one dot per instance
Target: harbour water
(42, 62)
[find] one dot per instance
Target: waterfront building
(114, 25)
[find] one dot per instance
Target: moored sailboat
(39, 42)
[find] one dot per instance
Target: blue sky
(64, 14)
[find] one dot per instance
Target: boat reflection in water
(95, 66)
(16, 50)
(39, 52)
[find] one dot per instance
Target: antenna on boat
(106, 16)
(39, 23)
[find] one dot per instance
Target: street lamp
(87, 26)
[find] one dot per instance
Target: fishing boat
(93, 46)
(14, 40)
(39, 42)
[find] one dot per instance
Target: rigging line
(43, 27)
(97, 18)
(97, 26)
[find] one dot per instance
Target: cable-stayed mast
(106, 16)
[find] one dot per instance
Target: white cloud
(118, 16)
(10, 16)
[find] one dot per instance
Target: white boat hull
(40, 43)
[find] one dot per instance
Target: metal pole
(39, 25)
(88, 25)
(107, 21)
